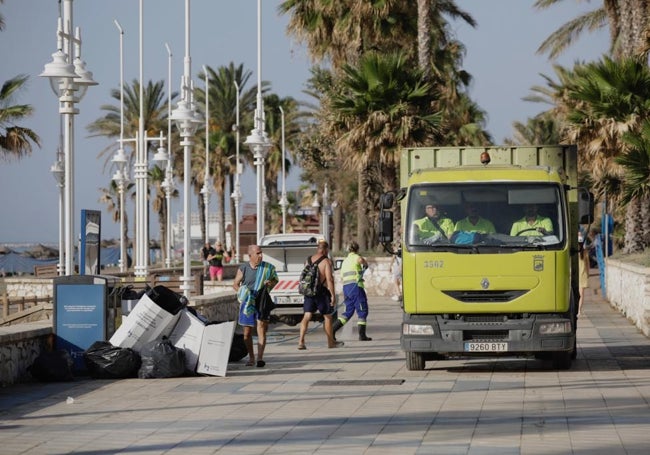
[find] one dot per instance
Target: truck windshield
(466, 217)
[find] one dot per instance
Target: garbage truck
(489, 244)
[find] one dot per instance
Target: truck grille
(495, 335)
(484, 296)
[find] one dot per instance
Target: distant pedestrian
(583, 270)
(325, 299)
(216, 257)
(353, 291)
(253, 278)
(205, 252)
(396, 271)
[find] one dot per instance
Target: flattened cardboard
(147, 322)
(187, 335)
(215, 348)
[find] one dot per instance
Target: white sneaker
(395, 298)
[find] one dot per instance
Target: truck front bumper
(487, 334)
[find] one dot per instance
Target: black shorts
(320, 302)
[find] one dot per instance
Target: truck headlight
(417, 329)
(551, 328)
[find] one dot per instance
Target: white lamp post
(187, 120)
(206, 186)
(169, 173)
(236, 195)
(66, 80)
(140, 174)
(121, 175)
(283, 200)
(325, 215)
(58, 172)
(258, 140)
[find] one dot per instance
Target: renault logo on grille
(485, 283)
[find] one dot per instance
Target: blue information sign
(80, 314)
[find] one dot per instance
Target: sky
(500, 55)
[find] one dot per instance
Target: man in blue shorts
(325, 299)
(251, 279)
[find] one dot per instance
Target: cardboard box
(215, 348)
(147, 322)
(187, 335)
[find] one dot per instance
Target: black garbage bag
(238, 348)
(105, 361)
(53, 366)
(167, 299)
(161, 359)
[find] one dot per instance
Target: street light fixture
(187, 121)
(236, 195)
(69, 82)
(206, 186)
(58, 172)
(121, 175)
(258, 140)
(168, 184)
(283, 200)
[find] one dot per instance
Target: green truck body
(497, 286)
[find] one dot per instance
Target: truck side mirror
(385, 226)
(585, 206)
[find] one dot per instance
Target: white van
(288, 253)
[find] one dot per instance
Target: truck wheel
(414, 361)
(562, 360)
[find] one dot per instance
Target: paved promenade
(358, 399)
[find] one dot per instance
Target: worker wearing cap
(433, 225)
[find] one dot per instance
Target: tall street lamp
(187, 120)
(69, 82)
(283, 200)
(168, 184)
(121, 174)
(236, 195)
(141, 177)
(258, 140)
(206, 186)
(58, 172)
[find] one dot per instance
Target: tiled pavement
(356, 399)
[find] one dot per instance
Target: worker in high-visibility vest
(353, 291)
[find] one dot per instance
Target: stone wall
(628, 290)
(19, 347)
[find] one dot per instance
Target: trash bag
(161, 359)
(237, 348)
(105, 361)
(52, 366)
(167, 299)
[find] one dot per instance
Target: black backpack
(309, 278)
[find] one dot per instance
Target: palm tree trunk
(424, 38)
(362, 224)
(633, 227)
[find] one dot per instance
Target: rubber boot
(335, 326)
(362, 333)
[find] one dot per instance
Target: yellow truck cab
(489, 249)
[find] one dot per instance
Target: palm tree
(15, 141)
(222, 123)
(379, 107)
(626, 21)
(541, 129)
(110, 197)
(155, 120)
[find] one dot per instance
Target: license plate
(486, 346)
